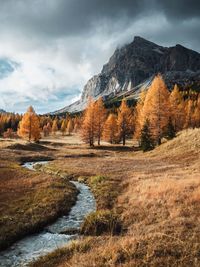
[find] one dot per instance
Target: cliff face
(135, 64)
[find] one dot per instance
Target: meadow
(147, 203)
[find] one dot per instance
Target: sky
(50, 48)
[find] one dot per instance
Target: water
(53, 236)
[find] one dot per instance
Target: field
(147, 203)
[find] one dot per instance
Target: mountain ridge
(133, 66)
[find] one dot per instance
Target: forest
(158, 114)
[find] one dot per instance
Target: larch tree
(197, 113)
(189, 109)
(110, 132)
(49, 128)
(29, 126)
(55, 126)
(123, 121)
(138, 119)
(177, 108)
(100, 117)
(156, 108)
(70, 126)
(88, 124)
(63, 127)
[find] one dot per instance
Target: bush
(100, 222)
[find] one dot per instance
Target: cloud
(57, 45)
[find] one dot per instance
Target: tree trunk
(124, 139)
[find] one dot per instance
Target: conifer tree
(146, 141)
(45, 131)
(63, 127)
(70, 126)
(170, 133)
(189, 109)
(156, 108)
(49, 128)
(196, 114)
(55, 126)
(138, 115)
(29, 126)
(177, 108)
(100, 117)
(123, 121)
(88, 125)
(110, 133)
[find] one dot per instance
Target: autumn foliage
(29, 127)
(158, 114)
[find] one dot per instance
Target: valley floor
(154, 196)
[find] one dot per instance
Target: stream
(52, 236)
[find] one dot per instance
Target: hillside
(157, 198)
(133, 66)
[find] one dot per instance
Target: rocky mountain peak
(143, 42)
(133, 66)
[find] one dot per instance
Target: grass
(101, 222)
(155, 196)
(158, 204)
(29, 201)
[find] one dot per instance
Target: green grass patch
(105, 190)
(101, 222)
(35, 209)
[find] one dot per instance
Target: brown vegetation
(158, 205)
(29, 200)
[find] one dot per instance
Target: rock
(133, 66)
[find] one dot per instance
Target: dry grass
(156, 195)
(29, 200)
(159, 203)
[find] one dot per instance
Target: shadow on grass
(117, 148)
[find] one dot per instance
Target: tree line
(158, 114)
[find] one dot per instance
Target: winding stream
(52, 237)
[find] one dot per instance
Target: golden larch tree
(70, 126)
(100, 117)
(63, 127)
(197, 113)
(55, 126)
(138, 119)
(110, 132)
(177, 106)
(189, 109)
(156, 108)
(88, 124)
(29, 126)
(123, 121)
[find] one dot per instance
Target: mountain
(2, 111)
(133, 67)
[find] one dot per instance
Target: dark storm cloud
(76, 37)
(66, 17)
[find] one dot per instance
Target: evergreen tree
(170, 133)
(146, 141)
